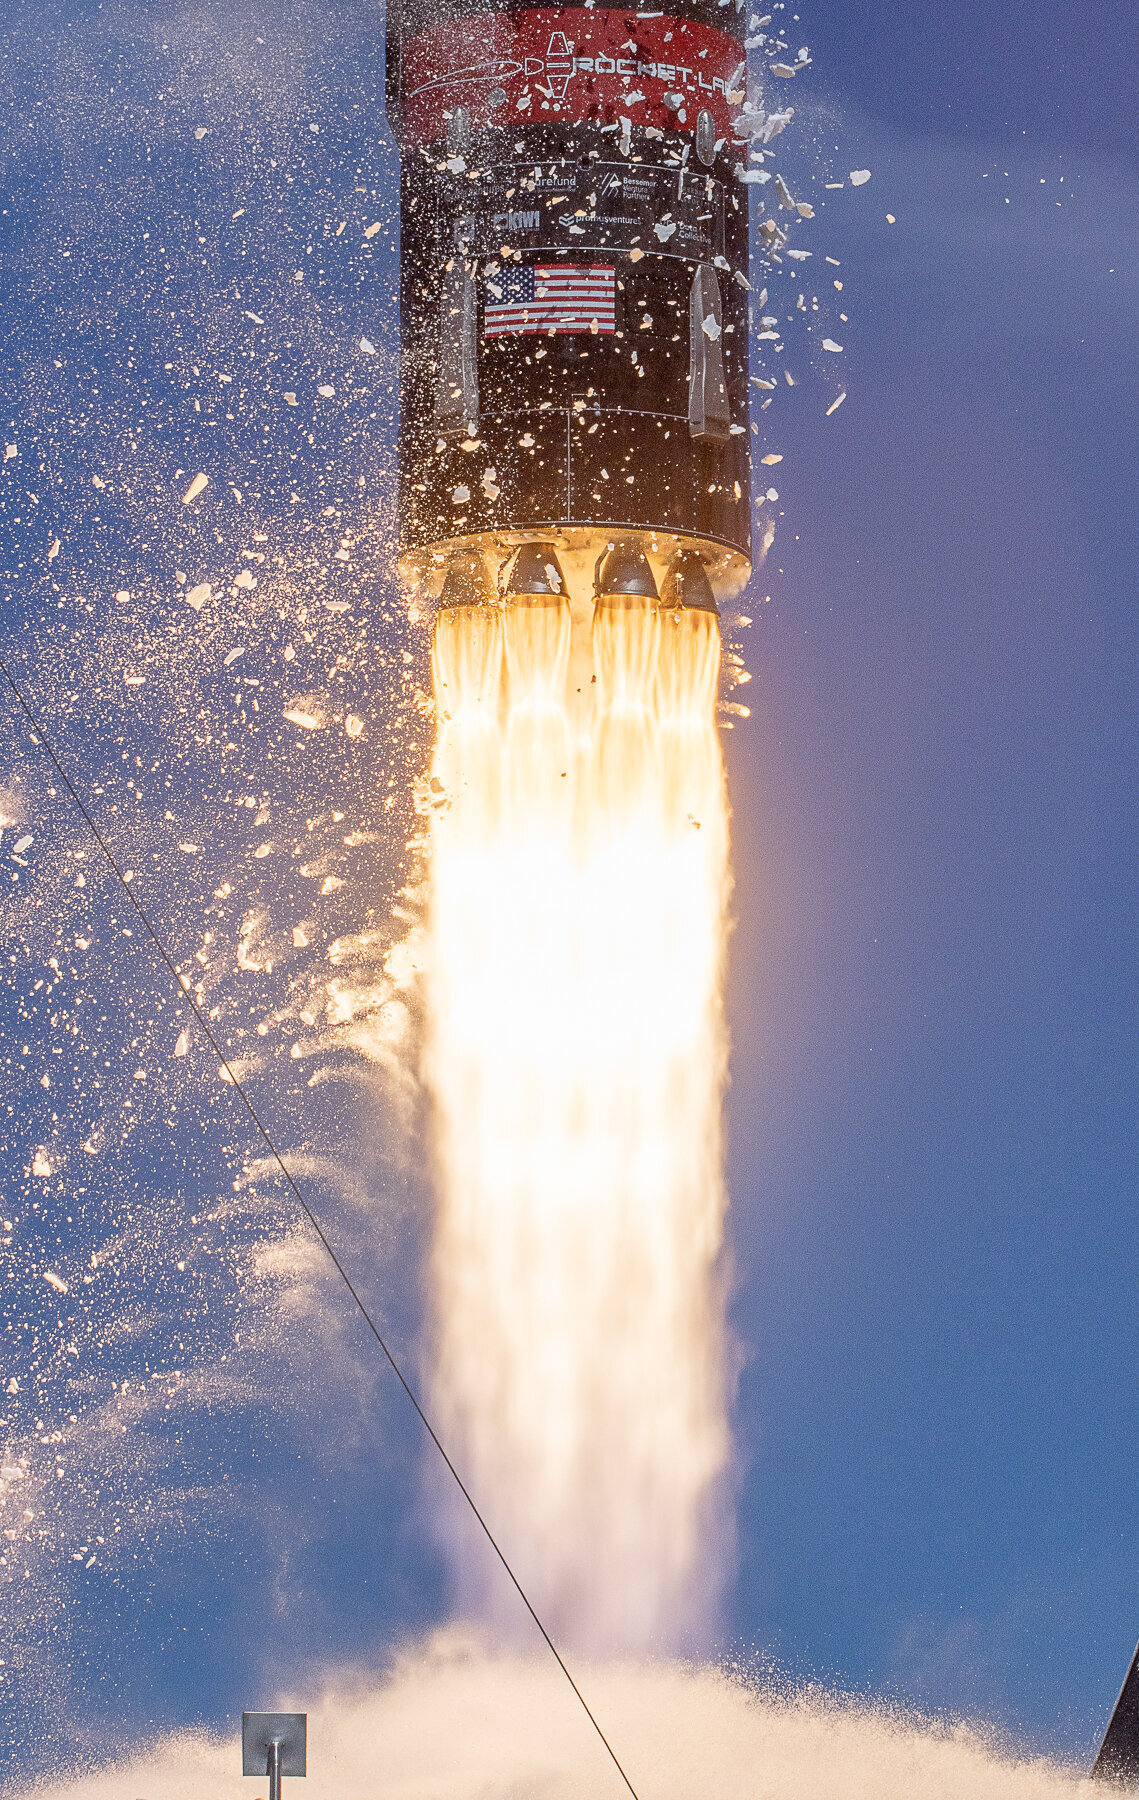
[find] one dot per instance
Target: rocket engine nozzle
(466, 582)
(686, 583)
(536, 575)
(623, 577)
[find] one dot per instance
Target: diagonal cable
(39, 736)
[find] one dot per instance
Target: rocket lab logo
(551, 74)
(574, 63)
(557, 67)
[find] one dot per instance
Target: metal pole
(274, 1770)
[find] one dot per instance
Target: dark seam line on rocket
(39, 736)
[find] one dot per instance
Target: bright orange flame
(575, 1059)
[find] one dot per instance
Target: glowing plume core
(575, 1060)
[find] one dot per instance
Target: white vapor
(451, 1723)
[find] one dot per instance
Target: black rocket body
(574, 294)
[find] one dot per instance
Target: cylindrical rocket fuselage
(574, 316)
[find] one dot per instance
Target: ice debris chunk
(859, 177)
(198, 486)
(308, 717)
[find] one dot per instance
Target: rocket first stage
(574, 295)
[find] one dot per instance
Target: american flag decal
(550, 297)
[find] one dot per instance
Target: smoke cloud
(451, 1723)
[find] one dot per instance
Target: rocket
(574, 293)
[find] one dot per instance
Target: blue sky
(933, 990)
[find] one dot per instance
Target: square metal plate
(259, 1730)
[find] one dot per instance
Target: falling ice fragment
(771, 458)
(182, 1047)
(198, 595)
(829, 344)
(835, 404)
(290, 399)
(775, 123)
(353, 726)
(859, 177)
(784, 194)
(232, 655)
(371, 230)
(460, 496)
(326, 392)
(367, 346)
(196, 487)
(785, 70)
(711, 327)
